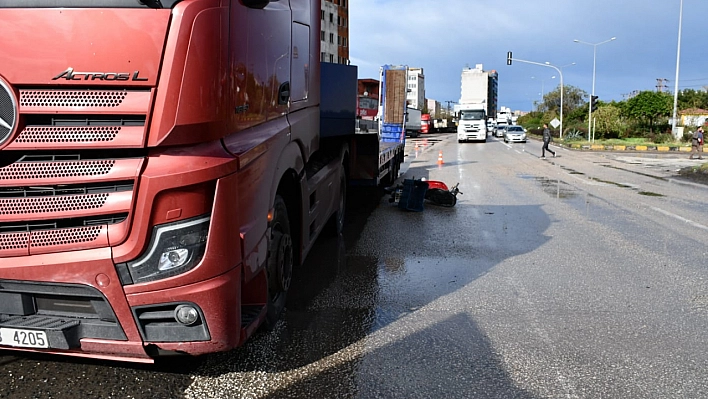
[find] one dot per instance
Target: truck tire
(390, 178)
(279, 265)
(335, 224)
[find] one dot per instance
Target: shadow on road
(356, 323)
(352, 326)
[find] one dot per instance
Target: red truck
(165, 165)
(426, 124)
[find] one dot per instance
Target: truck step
(249, 314)
(61, 333)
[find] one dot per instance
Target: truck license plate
(23, 338)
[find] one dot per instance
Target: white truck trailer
(413, 122)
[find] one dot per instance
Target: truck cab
(166, 164)
(426, 124)
(472, 125)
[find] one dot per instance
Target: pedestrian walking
(546, 140)
(697, 143)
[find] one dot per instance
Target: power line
(703, 85)
(693, 80)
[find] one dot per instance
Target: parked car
(515, 134)
(500, 130)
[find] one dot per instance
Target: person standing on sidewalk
(697, 143)
(546, 141)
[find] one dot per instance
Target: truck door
(260, 42)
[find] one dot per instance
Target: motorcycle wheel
(441, 197)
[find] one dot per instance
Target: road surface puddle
(554, 187)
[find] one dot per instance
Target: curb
(640, 148)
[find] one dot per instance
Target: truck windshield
(88, 3)
(472, 115)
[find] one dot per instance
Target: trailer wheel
(390, 178)
(279, 266)
(335, 225)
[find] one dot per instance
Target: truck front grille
(72, 98)
(60, 134)
(68, 177)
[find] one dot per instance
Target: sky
(445, 36)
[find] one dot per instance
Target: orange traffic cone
(440, 160)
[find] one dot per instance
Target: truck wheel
(279, 266)
(335, 225)
(392, 174)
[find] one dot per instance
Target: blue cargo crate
(392, 132)
(413, 195)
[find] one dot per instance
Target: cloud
(443, 37)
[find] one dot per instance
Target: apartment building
(334, 31)
(416, 88)
(434, 108)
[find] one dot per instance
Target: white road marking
(681, 218)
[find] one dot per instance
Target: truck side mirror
(255, 3)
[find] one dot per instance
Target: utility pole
(448, 106)
(660, 86)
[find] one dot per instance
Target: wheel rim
(342, 205)
(281, 266)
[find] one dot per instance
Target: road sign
(555, 123)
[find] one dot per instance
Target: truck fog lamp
(186, 314)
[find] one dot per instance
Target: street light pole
(562, 103)
(542, 88)
(542, 83)
(594, 54)
(678, 57)
(509, 59)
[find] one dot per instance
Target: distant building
(434, 108)
(416, 88)
(693, 117)
(479, 86)
(334, 31)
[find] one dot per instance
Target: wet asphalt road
(582, 276)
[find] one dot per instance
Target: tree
(649, 106)
(572, 99)
(690, 98)
(608, 121)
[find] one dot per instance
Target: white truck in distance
(472, 123)
(413, 122)
(504, 116)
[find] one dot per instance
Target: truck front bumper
(74, 304)
(466, 136)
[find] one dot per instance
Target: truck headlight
(174, 249)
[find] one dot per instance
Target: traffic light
(593, 103)
(508, 58)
